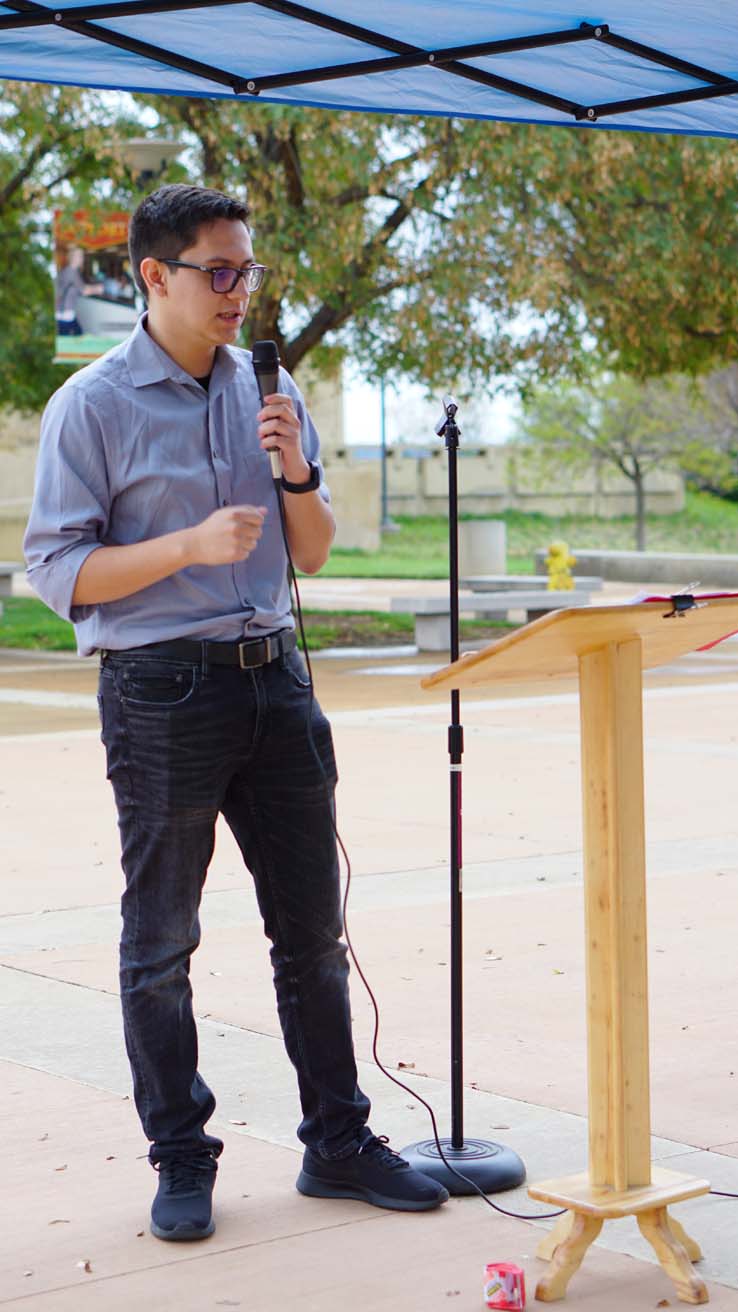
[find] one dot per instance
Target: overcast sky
(410, 417)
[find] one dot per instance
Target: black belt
(247, 655)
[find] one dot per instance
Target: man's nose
(240, 290)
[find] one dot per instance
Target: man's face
(189, 308)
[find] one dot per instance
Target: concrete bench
(523, 582)
(675, 569)
(7, 569)
(433, 616)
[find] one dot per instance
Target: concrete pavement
(75, 1168)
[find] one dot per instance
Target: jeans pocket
(101, 713)
(297, 668)
(156, 684)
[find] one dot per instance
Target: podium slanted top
(550, 647)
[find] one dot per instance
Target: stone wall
(677, 569)
(494, 479)
(491, 480)
(355, 488)
(18, 447)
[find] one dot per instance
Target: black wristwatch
(312, 483)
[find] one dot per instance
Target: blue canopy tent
(668, 66)
(662, 66)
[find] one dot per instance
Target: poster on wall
(96, 300)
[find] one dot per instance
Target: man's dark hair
(167, 222)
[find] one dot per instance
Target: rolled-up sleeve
(71, 500)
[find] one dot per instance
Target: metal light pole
(386, 524)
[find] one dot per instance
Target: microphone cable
(519, 1216)
(297, 606)
(266, 364)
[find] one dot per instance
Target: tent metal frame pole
(445, 57)
(133, 46)
(449, 59)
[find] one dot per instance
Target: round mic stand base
(491, 1166)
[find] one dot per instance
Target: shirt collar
(149, 363)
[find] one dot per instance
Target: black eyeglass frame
(245, 273)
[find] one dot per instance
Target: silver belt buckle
(270, 645)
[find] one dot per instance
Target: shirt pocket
(253, 484)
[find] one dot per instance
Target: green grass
(27, 623)
(420, 548)
(378, 628)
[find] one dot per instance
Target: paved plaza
(77, 1185)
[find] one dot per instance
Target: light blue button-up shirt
(133, 447)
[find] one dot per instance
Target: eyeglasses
(224, 280)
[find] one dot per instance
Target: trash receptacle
(482, 547)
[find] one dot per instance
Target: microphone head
(265, 357)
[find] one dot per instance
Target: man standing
(155, 529)
(70, 285)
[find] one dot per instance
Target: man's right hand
(228, 535)
(110, 573)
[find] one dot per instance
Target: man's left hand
(280, 429)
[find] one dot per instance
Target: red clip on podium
(609, 647)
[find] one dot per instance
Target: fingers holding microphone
(280, 430)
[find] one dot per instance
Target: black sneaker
(183, 1207)
(373, 1174)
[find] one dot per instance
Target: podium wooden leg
(567, 1257)
(656, 1227)
(620, 1180)
(694, 1252)
(555, 1236)
(615, 915)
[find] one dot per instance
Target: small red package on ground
(504, 1286)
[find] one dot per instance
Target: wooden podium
(609, 647)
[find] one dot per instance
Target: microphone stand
(491, 1166)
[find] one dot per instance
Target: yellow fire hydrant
(559, 566)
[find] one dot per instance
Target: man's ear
(155, 275)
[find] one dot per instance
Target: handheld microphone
(265, 359)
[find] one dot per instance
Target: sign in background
(96, 300)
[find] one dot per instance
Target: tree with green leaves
(55, 144)
(634, 427)
(626, 246)
(449, 251)
(713, 462)
(374, 244)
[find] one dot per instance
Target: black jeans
(183, 744)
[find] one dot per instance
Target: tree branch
(290, 158)
(15, 182)
(711, 334)
(331, 318)
(376, 184)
